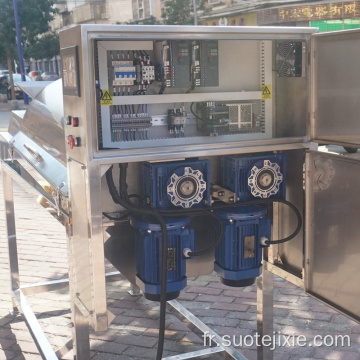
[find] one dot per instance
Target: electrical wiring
(115, 218)
(217, 241)
(118, 199)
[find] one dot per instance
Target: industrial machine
(176, 151)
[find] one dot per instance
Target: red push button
(75, 121)
(73, 141)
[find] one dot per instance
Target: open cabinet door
(332, 245)
(332, 235)
(335, 88)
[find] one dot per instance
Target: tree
(43, 47)
(34, 17)
(146, 21)
(180, 12)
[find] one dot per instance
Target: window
(141, 12)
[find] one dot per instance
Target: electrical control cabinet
(221, 114)
(142, 84)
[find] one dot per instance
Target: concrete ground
(133, 333)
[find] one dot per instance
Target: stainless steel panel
(49, 167)
(43, 121)
(86, 253)
(336, 87)
(332, 231)
(291, 107)
(292, 253)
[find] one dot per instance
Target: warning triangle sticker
(106, 95)
(266, 91)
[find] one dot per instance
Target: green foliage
(180, 12)
(34, 16)
(44, 47)
(2, 53)
(147, 21)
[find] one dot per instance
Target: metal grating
(240, 116)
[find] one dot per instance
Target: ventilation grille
(240, 116)
(289, 59)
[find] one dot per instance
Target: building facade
(84, 12)
(326, 15)
(147, 10)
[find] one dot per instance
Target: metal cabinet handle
(33, 153)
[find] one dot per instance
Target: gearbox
(258, 176)
(177, 184)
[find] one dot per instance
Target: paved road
(133, 333)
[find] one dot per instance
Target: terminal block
(126, 127)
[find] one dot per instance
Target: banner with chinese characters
(310, 12)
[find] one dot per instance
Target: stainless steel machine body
(295, 104)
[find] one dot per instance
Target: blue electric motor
(258, 176)
(238, 256)
(183, 184)
(148, 255)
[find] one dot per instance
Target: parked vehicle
(35, 75)
(49, 76)
(16, 78)
(3, 73)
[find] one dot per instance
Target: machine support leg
(135, 290)
(81, 340)
(265, 317)
(11, 236)
(81, 335)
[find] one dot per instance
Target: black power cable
(216, 243)
(114, 218)
(125, 203)
(197, 211)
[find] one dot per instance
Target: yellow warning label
(106, 97)
(266, 92)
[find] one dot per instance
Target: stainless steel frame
(80, 194)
